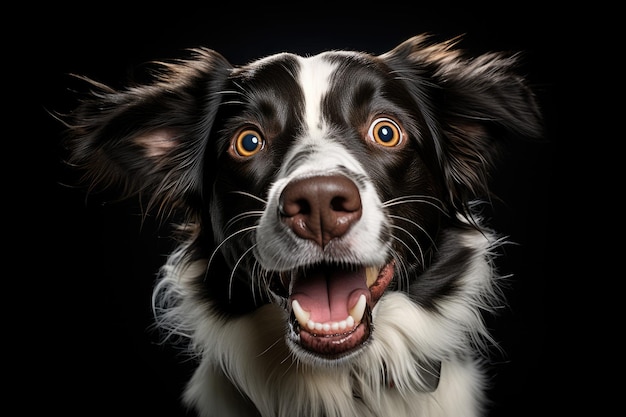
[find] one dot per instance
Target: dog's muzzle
(330, 302)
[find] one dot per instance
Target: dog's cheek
(252, 175)
(402, 174)
(236, 191)
(410, 179)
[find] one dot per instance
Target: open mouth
(331, 306)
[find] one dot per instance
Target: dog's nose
(320, 208)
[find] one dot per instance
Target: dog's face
(314, 193)
(320, 184)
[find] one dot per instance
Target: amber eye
(385, 131)
(248, 142)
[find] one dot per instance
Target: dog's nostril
(341, 203)
(291, 207)
(320, 208)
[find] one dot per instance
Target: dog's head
(318, 183)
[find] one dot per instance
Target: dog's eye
(248, 142)
(385, 131)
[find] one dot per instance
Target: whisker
(250, 195)
(232, 274)
(414, 224)
(270, 347)
(419, 247)
(293, 362)
(424, 196)
(259, 281)
(402, 272)
(415, 199)
(246, 229)
(242, 216)
(243, 92)
(410, 250)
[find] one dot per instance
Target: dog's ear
(150, 138)
(469, 105)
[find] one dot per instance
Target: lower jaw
(336, 346)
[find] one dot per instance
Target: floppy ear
(150, 139)
(473, 104)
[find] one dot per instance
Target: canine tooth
(301, 315)
(371, 274)
(359, 309)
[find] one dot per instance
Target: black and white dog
(332, 258)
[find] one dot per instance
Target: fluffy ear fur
(477, 103)
(150, 139)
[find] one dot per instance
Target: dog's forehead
(293, 63)
(306, 82)
(315, 74)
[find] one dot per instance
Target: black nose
(320, 208)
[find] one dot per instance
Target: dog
(332, 255)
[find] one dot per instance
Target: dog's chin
(330, 309)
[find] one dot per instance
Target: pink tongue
(328, 294)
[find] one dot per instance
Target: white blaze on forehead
(315, 75)
(315, 138)
(315, 151)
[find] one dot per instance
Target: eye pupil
(385, 134)
(250, 142)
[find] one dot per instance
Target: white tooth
(359, 309)
(356, 314)
(371, 274)
(301, 315)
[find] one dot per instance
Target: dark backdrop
(83, 341)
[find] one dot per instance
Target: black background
(83, 340)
